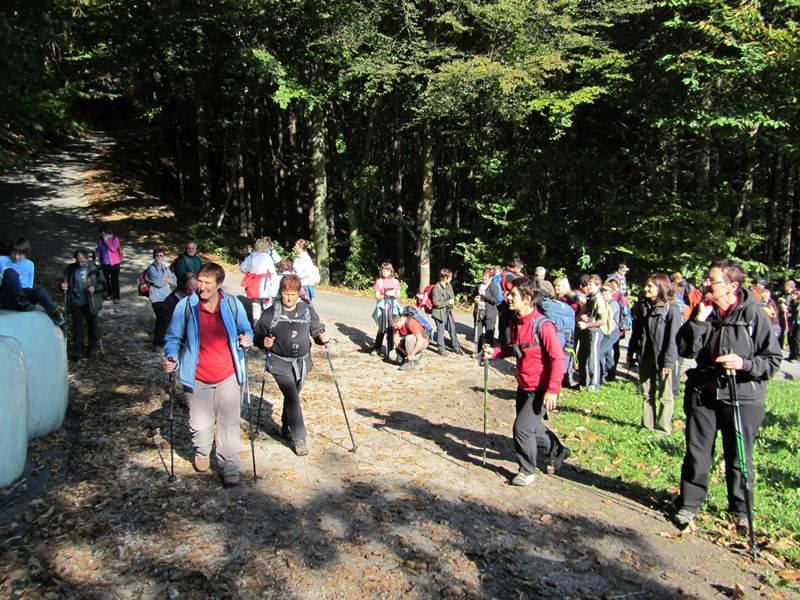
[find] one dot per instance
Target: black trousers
(794, 342)
(111, 275)
(82, 321)
(530, 431)
(705, 415)
(292, 416)
(503, 320)
(163, 317)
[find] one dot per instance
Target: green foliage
(604, 433)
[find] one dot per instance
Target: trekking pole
(250, 414)
(485, 400)
(341, 401)
(172, 427)
(740, 451)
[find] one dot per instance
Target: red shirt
(214, 362)
(541, 368)
(411, 327)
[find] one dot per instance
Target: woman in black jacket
(285, 330)
(728, 331)
(653, 341)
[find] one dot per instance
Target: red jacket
(541, 367)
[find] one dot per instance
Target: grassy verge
(603, 431)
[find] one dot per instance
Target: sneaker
(522, 479)
(556, 459)
(230, 480)
(107, 297)
(684, 519)
(300, 448)
(201, 463)
(408, 366)
(393, 355)
(742, 524)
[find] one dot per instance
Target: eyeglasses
(714, 282)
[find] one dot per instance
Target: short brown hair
(290, 282)
(213, 269)
(386, 265)
(21, 245)
(444, 272)
(159, 250)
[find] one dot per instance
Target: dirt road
(412, 514)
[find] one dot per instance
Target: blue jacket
(182, 341)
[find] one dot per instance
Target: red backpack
(143, 286)
(424, 298)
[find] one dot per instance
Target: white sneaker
(522, 479)
(393, 355)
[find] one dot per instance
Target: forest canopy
(570, 133)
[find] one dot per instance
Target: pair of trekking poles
(253, 425)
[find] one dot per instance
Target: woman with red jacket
(533, 340)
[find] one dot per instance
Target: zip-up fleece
(746, 331)
(540, 370)
(182, 341)
(657, 326)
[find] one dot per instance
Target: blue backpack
(411, 313)
(562, 315)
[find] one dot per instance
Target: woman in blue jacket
(205, 342)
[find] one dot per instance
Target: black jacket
(656, 326)
(292, 333)
(745, 330)
(490, 298)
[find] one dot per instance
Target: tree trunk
(425, 212)
(397, 192)
(204, 176)
(319, 214)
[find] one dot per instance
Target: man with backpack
(443, 300)
(563, 316)
(540, 367)
(411, 333)
(486, 300)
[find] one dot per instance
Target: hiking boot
(556, 459)
(523, 479)
(300, 448)
(58, 319)
(201, 463)
(408, 366)
(684, 519)
(742, 524)
(230, 480)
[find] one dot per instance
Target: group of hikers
(729, 330)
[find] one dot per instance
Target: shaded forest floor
(412, 514)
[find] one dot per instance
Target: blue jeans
(449, 325)
(607, 363)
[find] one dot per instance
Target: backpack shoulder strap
(231, 300)
(276, 316)
(536, 326)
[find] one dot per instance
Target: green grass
(604, 433)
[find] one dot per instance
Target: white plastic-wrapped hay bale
(45, 358)
(14, 410)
